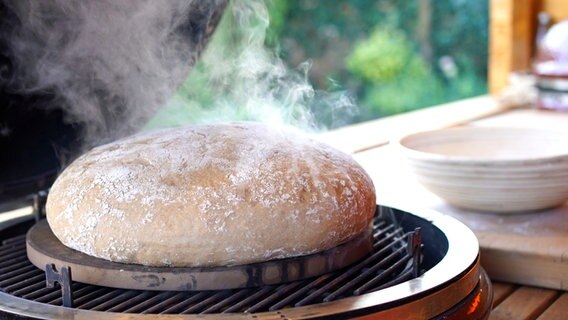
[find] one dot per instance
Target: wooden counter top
(513, 302)
(526, 256)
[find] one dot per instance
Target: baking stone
(44, 248)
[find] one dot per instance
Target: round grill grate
(392, 261)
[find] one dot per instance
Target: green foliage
(384, 67)
(277, 10)
(411, 93)
(396, 79)
(384, 56)
(369, 48)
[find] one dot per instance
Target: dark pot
(36, 141)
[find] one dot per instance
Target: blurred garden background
(384, 56)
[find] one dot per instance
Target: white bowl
(491, 169)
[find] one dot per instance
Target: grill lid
(33, 124)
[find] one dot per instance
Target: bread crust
(210, 195)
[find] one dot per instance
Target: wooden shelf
(367, 135)
(512, 36)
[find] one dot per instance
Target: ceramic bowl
(506, 170)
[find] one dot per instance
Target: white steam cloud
(111, 64)
(244, 79)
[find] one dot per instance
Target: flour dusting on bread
(207, 195)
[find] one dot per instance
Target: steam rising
(245, 80)
(111, 64)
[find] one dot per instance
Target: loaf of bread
(210, 195)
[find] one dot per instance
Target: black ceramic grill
(401, 278)
(395, 259)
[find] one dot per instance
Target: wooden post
(557, 9)
(511, 39)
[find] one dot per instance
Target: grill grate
(393, 261)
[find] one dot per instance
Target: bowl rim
(414, 154)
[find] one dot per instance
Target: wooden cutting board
(530, 249)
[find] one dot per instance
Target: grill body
(381, 283)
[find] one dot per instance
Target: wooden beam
(511, 39)
(557, 9)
